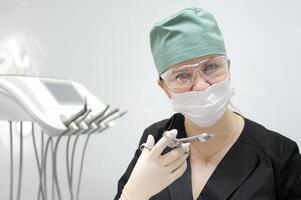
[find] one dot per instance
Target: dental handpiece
(78, 114)
(98, 116)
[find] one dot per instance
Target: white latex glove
(153, 172)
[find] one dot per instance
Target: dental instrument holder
(59, 107)
(56, 105)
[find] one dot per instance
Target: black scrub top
(261, 165)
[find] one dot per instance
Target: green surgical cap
(190, 33)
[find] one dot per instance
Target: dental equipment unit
(59, 108)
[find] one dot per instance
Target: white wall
(105, 46)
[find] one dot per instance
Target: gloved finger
(176, 163)
(173, 133)
(164, 142)
(150, 142)
(174, 154)
(179, 171)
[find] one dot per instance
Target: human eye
(210, 67)
(183, 75)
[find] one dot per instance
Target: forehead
(194, 60)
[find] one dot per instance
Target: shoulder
(271, 142)
(281, 152)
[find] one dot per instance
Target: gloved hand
(153, 172)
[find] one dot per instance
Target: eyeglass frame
(161, 76)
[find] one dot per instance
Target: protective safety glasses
(211, 69)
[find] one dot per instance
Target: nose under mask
(204, 108)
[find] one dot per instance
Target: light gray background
(105, 46)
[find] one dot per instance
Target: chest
(200, 173)
(246, 177)
(202, 169)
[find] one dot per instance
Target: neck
(224, 130)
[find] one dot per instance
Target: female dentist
(228, 156)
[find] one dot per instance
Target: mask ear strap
(229, 64)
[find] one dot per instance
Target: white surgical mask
(204, 108)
